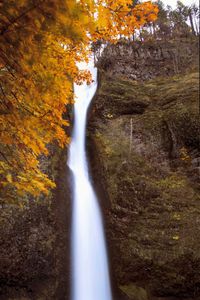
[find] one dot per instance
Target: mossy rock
(134, 292)
(144, 162)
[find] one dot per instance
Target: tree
(162, 23)
(179, 18)
(40, 43)
(193, 13)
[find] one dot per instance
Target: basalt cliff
(144, 150)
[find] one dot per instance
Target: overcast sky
(186, 2)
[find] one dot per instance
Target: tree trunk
(196, 27)
(192, 23)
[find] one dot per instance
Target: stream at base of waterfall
(90, 274)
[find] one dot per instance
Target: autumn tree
(40, 43)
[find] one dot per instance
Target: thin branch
(28, 110)
(5, 29)
(5, 158)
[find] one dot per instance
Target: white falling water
(90, 275)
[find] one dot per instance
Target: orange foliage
(40, 43)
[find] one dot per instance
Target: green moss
(134, 292)
(153, 197)
(172, 182)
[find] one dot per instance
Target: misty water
(90, 275)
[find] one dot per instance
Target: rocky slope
(144, 151)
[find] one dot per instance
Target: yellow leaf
(176, 237)
(9, 178)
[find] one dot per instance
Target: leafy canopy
(40, 43)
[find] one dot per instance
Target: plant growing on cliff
(40, 43)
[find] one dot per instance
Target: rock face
(144, 152)
(147, 60)
(34, 241)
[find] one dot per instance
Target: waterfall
(90, 275)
